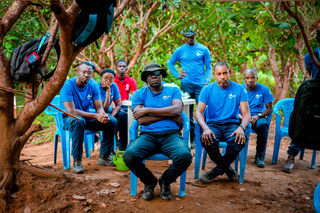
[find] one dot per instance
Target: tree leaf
(284, 26)
(291, 40)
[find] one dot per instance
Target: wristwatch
(243, 127)
(260, 115)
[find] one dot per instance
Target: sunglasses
(150, 74)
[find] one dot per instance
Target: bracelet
(108, 93)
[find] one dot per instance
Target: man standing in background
(196, 67)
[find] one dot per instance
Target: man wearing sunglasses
(157, 109)
(196, 68)
(77, 96)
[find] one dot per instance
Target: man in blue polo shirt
(196, 68)
(260, 104)
(109, 92)
(77, 95)
(311, 68)
(157, 109)
(222, 100)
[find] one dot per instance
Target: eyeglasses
(109, 79)
(156, 73)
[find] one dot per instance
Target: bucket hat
(151, 67)
(189, 33)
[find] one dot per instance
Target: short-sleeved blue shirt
(223, 104)
(82, 97)
(114, 90)
(310, 65)
(145, 97)
(258, 98)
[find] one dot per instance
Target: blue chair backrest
(52, 111)
(287, 106)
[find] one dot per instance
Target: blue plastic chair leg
(56, 138)
(133, 182)
(236, 162)
(87, 144)
(183, 178)
(316, 199)
(198, 152)
(243, 162)
(276, 149)
(65, 148)
(313, 161)
(301, 154)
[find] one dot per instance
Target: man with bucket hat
(157, 109)
(196, 68)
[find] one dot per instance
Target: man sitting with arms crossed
(260, 103)
(223, 99)
(157, 109)
(77, 95)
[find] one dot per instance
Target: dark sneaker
(165, 190)
(208, 177)
(148, 191)
(259, 160)
(192, 144)
(232, 175)
(288, 165)
(105, 160)
(77, 166)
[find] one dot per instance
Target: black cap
(107, 70)
(151, 67)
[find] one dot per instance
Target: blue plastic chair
(269, 118)
(66, 137)
(198, 153)
(316, 199)
(287, 106)
(133, 131)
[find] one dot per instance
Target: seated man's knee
(184, 157)
(113, 122)
(130, 158)
(76, 124)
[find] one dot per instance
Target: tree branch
(120, 8)
(303, 32)
(42, 172)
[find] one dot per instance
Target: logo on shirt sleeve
(232, 96)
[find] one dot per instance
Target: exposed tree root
(7, 179)
(42, 172)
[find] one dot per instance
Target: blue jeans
(147, 144)
(77, 134)
(223, 131)
(194, 91)
(261, 127)
(122, 118)
(293, 149)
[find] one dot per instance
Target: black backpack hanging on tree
(94, 19)
(304, 121)
(26, 58)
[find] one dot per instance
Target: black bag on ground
(304, 121)
(94, 19)
(27, 57)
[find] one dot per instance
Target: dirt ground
(264, 189)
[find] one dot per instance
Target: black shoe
(232, 175)
(192, 144)
(208, 177)
(288, 165)
(105, 160)
(165, 190)
(148, 191)
(259, 160)
(77, 166)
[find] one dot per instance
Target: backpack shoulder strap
(57, 48)
(87, 30)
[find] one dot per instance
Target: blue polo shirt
(145, 97)
(114, 90)
(82, 97)
(223, 104)
(192, 58)
(310, 65)
(258, 98)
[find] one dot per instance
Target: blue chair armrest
(133, 131)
